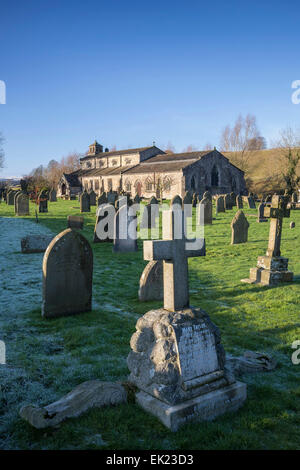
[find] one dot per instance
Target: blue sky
(128, 72)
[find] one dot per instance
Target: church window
(128, 185)
(96, 184)
(114, 162)
(128, 161)
(167, 184)
(214, 176)
(149, 184)
(193, 182)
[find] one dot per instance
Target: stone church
(149, 170)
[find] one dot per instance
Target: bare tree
(169, 148)
(241, 139)
(190, 148)
(1, 151)
(289, 145)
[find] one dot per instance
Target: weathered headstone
(239, 228)
(195, 200)
(52, 195)
(204, 212)
(227, 202)
(251, 202)
(15, 199)
(43, 204)
(273, 268)
(220, 206)
(102, 199)
(85, 202)
(177, 360)
(151, 282)
(35, 243)
(22, 204)
(233, 199)
(125, 230)
(75, 222)
(93, 197)
(207, 195)
(67, 275)
(176, 201)
(188, 198)
(292, 225)
(10, 198)
(111, 197)
(239, 202)
(150, 215)
(260, 213)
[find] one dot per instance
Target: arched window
(128, 185)
(138, 187)
(149, 184)
(214, 176)
(193, 183)
(167, 184)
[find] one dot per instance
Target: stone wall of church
(147, 183)
(214, 173)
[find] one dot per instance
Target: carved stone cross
(174, 250)
(276, 212)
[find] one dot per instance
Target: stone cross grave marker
(273, 268)
(174, 250)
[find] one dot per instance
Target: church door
(139, 188)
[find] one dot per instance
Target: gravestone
(176, 201)
(43, 204)
(35, 243)
(292, 225)
(273, 268)
(239, 202)
(104, 226)
(294, 197)
(260, 213)
(204, 212)
(85, 202)
(93, 197)
(207, 195)
(177, 361)
(151, 282)
(195, 200)
(125, 230)
(188, 198)
(251, 202)
(227, 202)
(52, 195)
(75, 222)
(22, 204)
(15, 199)
(220, 206)
(233, 199)
(67, 275)
(111, 197)
(10, 198)
(239, 228)
(102, 199)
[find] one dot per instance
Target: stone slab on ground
(91, 394)
(35, 243)
(203, 408)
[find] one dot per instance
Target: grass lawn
(56, 355)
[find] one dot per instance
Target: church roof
(118, 152)
(168, 162)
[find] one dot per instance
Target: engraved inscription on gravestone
(196, 351)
